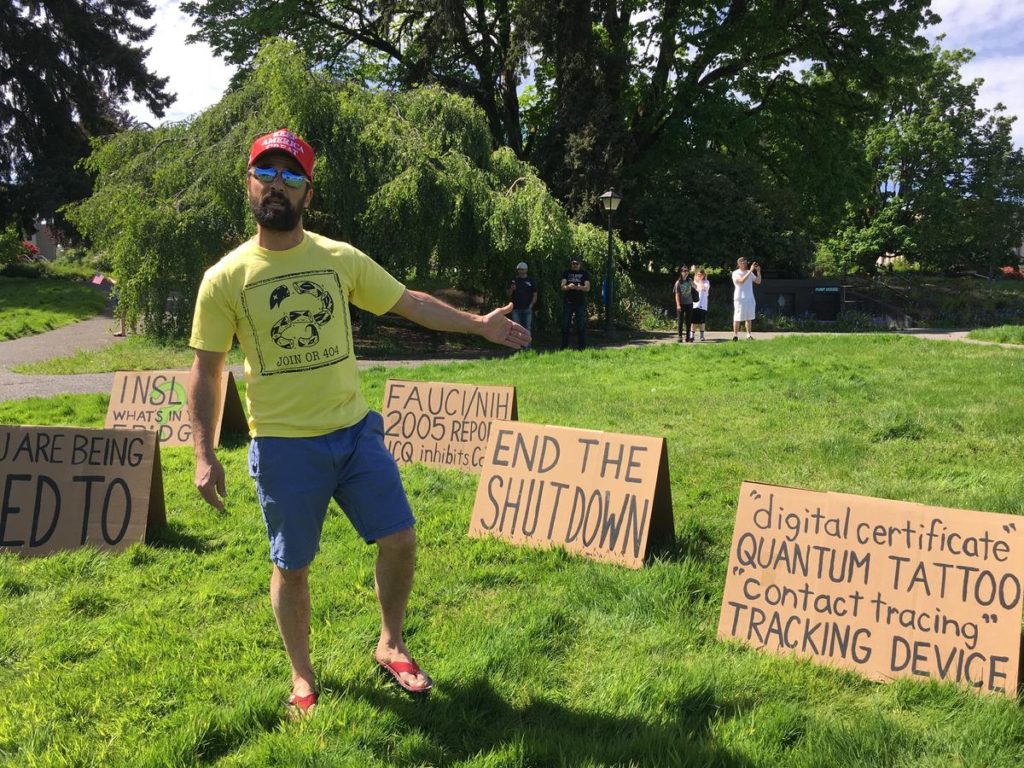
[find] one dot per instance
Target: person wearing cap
(575, 287)
(285, 295)
(523, 290)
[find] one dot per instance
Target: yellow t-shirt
(290, 312)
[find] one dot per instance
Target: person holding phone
(575, 286)
(744, 280)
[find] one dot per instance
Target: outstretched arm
(425, 310)
(203, 405)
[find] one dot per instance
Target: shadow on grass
(696, 543)
(227, 733)
(173, 536)
(462, 721)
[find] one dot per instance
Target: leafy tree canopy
(65, 66)
(947, 187)
(410, 178)
(610, 76)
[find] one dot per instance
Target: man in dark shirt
(575, 286)
(523, 290)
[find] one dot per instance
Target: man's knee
(292, 576)
(399, 543)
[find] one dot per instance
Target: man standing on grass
(285, 295)
(575, 287)
(523, 292)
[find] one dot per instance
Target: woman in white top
(743, 295)
(700, 309)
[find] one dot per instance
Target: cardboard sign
(158, 401)
(444, 425)
(886, 588)
(601, 494)
(63, 488)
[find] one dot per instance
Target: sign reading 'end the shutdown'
(64, 488)
(886, 588)
(601, 494)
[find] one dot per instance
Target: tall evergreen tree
(65, 68)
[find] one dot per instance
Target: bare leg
(289, 595)
(735, 328)
(396, 562)
(748, 327)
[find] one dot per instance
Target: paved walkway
(97, 333)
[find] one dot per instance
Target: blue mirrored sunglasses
(267, 176)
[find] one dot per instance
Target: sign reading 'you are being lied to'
(63, 488)
(886, 588)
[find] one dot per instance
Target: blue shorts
(296, 477)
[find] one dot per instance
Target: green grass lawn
(136, 353)
(29, 306)
(1003, 334)
(168, 655)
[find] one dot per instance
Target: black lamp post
(610, 202)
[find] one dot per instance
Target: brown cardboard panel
(443, 425)
(886, 588)
(158, 401)
(602, 494)
(63, 488)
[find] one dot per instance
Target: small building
(44, 240)
(817, 299)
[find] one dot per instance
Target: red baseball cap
(287, 142)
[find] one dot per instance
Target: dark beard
(280, 219)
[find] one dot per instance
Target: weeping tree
(410, 178)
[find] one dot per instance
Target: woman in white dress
(743, 306)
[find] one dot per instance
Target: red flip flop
(300, 706)
(398, 668)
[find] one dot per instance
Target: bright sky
(991, 28)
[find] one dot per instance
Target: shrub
(10, 246)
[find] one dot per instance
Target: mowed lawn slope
(168, 654)
(29, 306)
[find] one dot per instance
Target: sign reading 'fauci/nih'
(886, 588)
(604, 495)
(441, 424)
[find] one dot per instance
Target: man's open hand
(501, 330)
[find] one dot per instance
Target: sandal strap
(405, 667)
(302, 702)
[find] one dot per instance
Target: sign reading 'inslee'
(441, 424)
(62, 488)
(158, 401)
(601, 494)
(886, 588)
